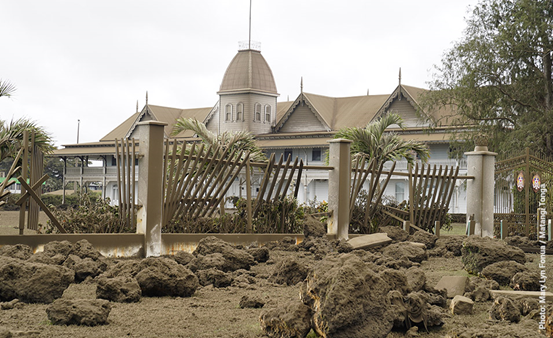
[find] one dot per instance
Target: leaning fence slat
(202, 172)
(213, 181)
(189, 181)
(241, 165)
(282, 178)
(42, 205)
(23, 176)
(298, 181)
(290, 177)
(264, 183)
(193, 175)
(274, 179)
(225, 184)
(379, 198)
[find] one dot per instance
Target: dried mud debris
(289, 272)
(479, 252)
(424, 237)
(397, 234)
(254, 302)
(526, 281)
(119, 289)
(89, 312)
(502, 272)
(401, 251)
(234, 258)
(288, 320)
(32, 282)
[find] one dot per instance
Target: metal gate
(519, 182)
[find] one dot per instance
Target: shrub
(92, 215)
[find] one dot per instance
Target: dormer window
(257, 116)
(228, 112)
(267, 113)
(240, 112)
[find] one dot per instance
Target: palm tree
(11, 137)
(6, 88)
(373, 142)
(240, 140)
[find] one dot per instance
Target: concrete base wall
(132, 245)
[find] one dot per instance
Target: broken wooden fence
(197, 178)
(126, 157)
(430, 192)
(362, 168)
(32, 164)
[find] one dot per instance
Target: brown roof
(248, 71)
(162, 114)
(338, 112)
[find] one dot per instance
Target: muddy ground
(216, 312)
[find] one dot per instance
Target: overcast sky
(92, 60)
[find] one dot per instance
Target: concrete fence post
(150, 190)
(339, 187)
(480, 190)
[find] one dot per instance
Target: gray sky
(92, 60)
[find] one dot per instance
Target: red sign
(520, 181)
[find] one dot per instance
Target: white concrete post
(480, 190)
(339, 186)
(150, 134)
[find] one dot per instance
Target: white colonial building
(248, 100)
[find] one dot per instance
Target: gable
(302, 119)
(408, 113)
(402, 102)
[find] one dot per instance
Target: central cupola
(248, 94)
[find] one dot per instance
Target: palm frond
(11, 137)
(6, 88)
(373, 142)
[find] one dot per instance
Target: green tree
(373, 141)
(240, 140)
(11, 137)
(497, 80)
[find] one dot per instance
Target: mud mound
(84, 268)
(408, 251)
(415, 278)
(89, 312)
(424, 237)
(347, 299)
(58, 248)
(19, 251)
(285, 244)
(312, 228)
(218, 278)
(84, 249)
(397, 234)
(160, 277)
(235, 258)
(505, 309)
(157, 276)
(479, 252)
(521, 242)
(183, 257)
(289, 272)
(446, 244)
(252, 302)
(526, 281)
(32, 282)
(287, 321)
(118, 289)
(502, 272)
(396, 280)
(260, 255)
(211, 261)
